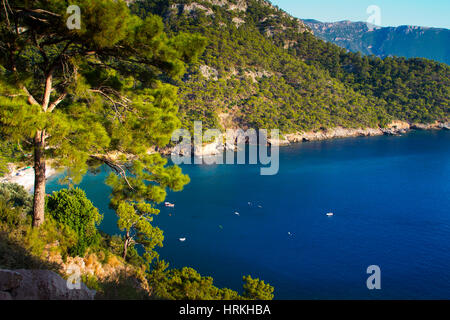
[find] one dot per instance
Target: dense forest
(264, 68)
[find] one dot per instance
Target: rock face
(430, 126)
(332, 134)
(445, 126)
(394, 128)
(190, 9)
(282, 141)
(9, 280)
(212, 149)
(39, 285)
(209, 73)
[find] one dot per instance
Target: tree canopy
(81, 95)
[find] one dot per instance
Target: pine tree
(77, 95)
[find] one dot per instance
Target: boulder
(279, 142)
(9, 280)
(445, 126)
(40, 285)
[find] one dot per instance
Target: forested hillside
(265, 69)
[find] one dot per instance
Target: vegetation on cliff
(263, 68)
(69, 238)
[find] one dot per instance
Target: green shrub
(3, 166)
(16, 196)
(15, 204)
(133, 257)
(61, 238)
(188, 284)
(72, 208)
(118, 287)
(11, 216)
(185, 284)
(255, 289)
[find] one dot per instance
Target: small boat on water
(169, 205)
(182, 239)
(237, 213)
(330, 214)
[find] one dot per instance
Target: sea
(390, 199)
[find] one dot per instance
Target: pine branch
(54, 104)
(31, 99)
(119, 169)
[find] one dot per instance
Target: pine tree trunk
(126, 244)
(39, 179)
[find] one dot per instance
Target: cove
(391, 205)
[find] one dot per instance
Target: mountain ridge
(407, 40)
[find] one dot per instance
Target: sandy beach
(24, 176)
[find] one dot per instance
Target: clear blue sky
(428, 13)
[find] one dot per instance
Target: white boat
(182, 239)
(237, 213)
(168, 204)
(330, 214)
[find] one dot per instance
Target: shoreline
(24, 176)
(395, 128)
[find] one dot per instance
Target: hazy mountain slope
(263, 68)
(403, 41)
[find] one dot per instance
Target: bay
(391, 205)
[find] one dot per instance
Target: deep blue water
(390, 196)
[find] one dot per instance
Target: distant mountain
(403, 41)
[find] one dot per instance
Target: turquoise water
(390, 196)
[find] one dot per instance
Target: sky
(427, 13)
